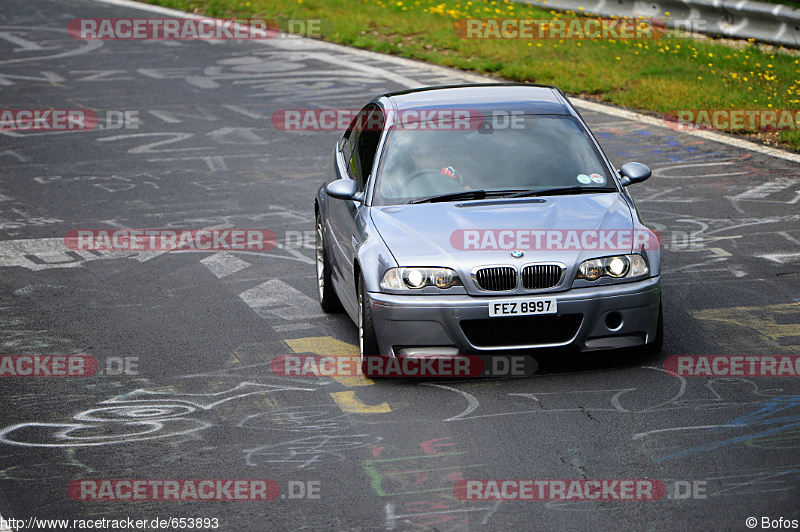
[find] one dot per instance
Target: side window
(360, 143)
(352, 163)
(367, 144)
(350, 146)
(345, 147)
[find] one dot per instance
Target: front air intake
(497, 278)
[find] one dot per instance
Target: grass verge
(662, 75)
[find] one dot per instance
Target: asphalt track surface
(197, 330)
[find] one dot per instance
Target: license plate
(523, 307)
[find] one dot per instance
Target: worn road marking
(331, 347)
(223, 264)
(276, 298)
(778, 324)
(351, 404)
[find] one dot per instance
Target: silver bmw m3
(473, 219)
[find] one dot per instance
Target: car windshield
(498, 157)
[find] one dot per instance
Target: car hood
(454, 234)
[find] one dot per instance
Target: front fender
(373, 257)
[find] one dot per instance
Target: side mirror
(345, 189)
(634, 173)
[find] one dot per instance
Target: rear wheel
(328, 299)
(367, 340)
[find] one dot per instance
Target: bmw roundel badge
(517, 254)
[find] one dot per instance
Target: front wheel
(367, 340)
(328, 299)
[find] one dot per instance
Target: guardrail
(771, 23)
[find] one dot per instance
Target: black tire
(654, 347)
(328, 299)
(367, 340)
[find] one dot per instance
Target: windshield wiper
(470, 194)
(561, 190)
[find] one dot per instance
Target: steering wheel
(419, 173)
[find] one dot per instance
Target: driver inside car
(431, 161)
(420, 170)
(429, 158)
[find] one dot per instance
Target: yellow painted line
(350, 404)
(330, 347)
(323, 345)
(352, 382)
(761, 320)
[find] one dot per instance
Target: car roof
(517, 97)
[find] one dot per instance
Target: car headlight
(417, 278)
(618, 267)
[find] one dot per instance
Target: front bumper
(599, 317)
